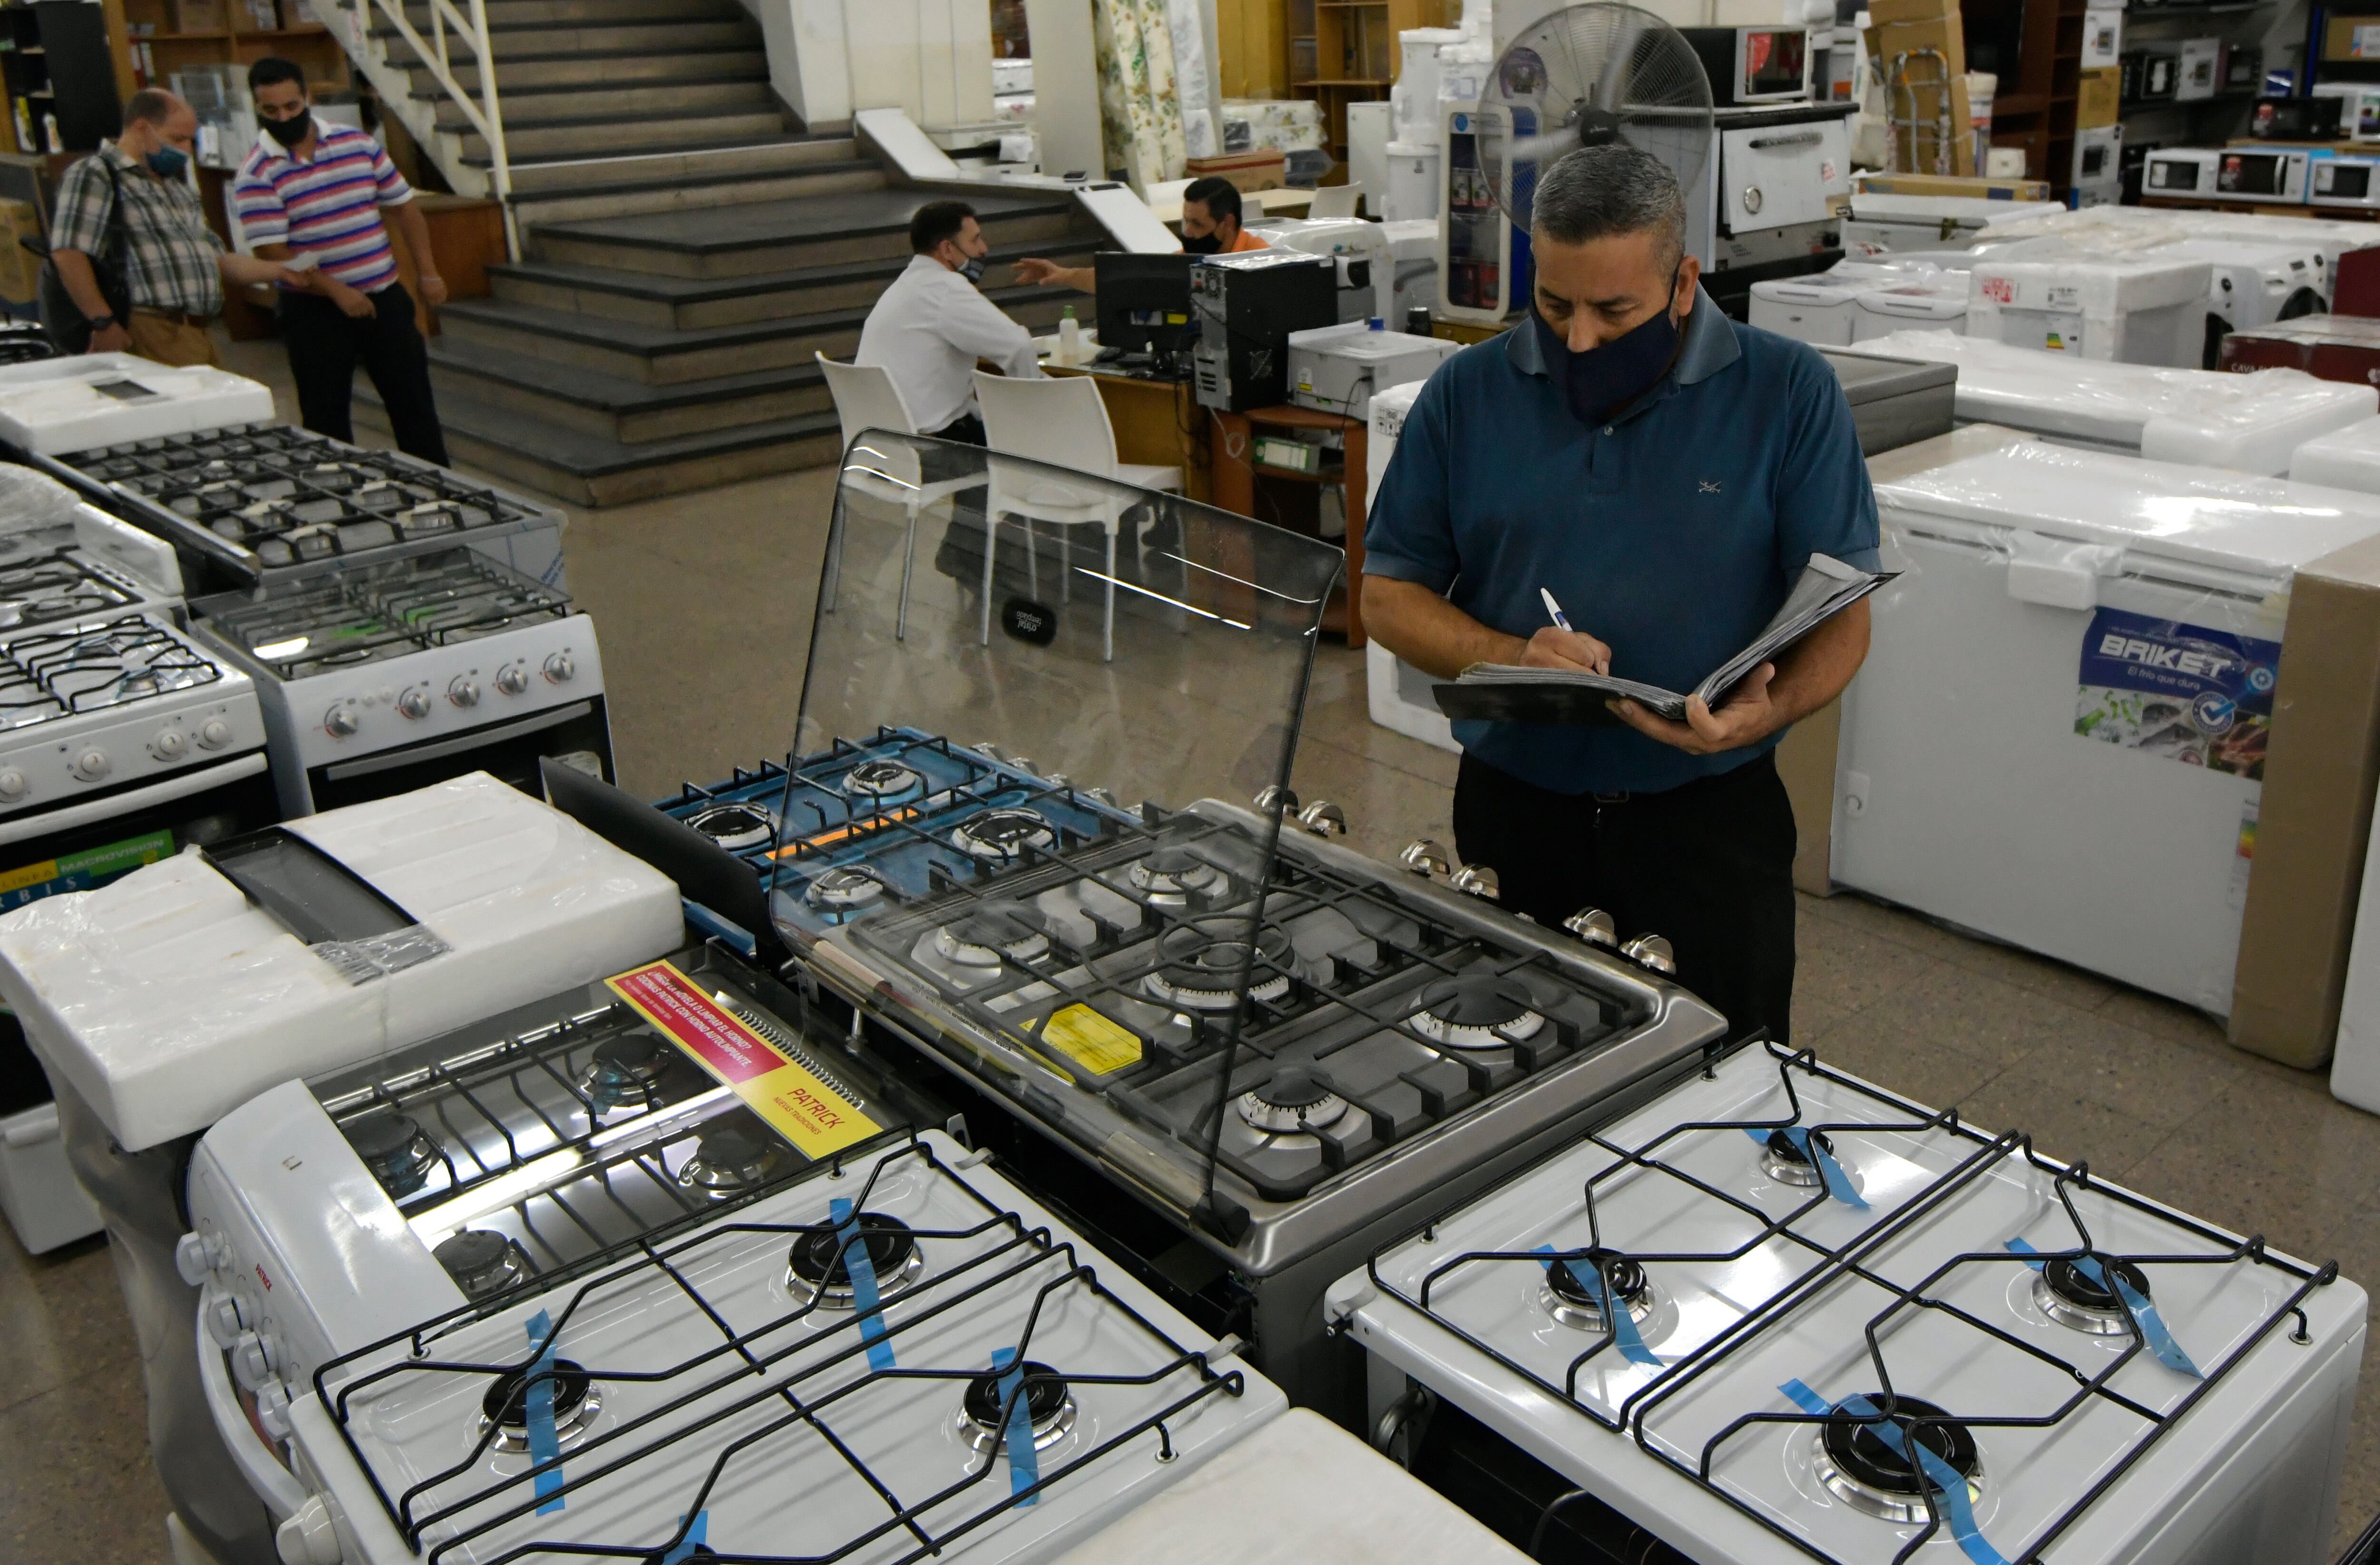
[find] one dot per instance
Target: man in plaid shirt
(174, 264)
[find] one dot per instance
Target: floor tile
(1933, 1076)
(2204, 1171)
(75, 1477)
(1847, 969)
(61, 1316)
(2064, 1123)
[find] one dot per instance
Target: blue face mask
(971, 269)
(1601, 381)
(167, 163)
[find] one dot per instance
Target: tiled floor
(704, 602)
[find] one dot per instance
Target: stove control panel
(45, 765)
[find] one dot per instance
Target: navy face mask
(1601, 381)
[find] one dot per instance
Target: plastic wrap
(2344, 458)
(2135, 308)
(29, 499)
(167, 998)
(59, 405)
(2250, 424)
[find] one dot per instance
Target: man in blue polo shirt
(1664, 473)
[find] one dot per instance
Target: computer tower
(1247, 304)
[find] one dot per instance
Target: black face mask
(1204, 244)
(1601, 381)
(290, 131)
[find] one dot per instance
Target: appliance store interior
(790, 780)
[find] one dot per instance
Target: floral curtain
(1139, 108)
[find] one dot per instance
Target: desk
(1157, 422)
(1235, 486)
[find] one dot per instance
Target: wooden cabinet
(1344, 51)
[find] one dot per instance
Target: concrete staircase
(661, 350)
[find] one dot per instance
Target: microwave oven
(2255, 173)
(1754, 64)
(2345, 182)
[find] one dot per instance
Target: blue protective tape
(1623, 1325)
(1948, 1485)
(2144, 1314)
(693, 1540)
(1024, 1462)
(1839, 1183)
(862, 1272)
(544, 1445)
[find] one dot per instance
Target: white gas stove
(53, 405)
(1732, 1317)
(379, 677)
(902, 1349)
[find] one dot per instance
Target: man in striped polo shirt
(314, 193)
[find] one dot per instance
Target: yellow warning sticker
(1091, 1041)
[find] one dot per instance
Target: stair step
(589, 13)
(539, 41)
(588, 470)
(628, 411)
(660, 356)
(593, 137)
(677, 168)
(579, 87)
(691, 305)
(684, 193)
(762, 238)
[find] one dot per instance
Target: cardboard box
(1936, 184)
(201, 16)
(2351, 37)
(2315, 819)
(21, 269)
(2097, 93)
(1248, 172)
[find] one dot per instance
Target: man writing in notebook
(1664, 474)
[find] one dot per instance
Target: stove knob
(560, 670)
(1423, 857)
(1479, 881)
(12, 784)
(251, 1360)
(225, 1320)
(463, 693)
(92, 765)
(512, 679)
(1594, 926)
(413, 704)
(341, 721)
(310, 1536)
(196, 1257)
(213, 734)
(273, 1409)
(169, 745)
(1651, 950)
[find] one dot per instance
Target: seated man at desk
(931, 326)
(1211, 226)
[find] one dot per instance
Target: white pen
(1562, 620)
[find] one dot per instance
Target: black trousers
(325, 345)
(1710, 866)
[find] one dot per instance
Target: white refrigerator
(2057, 738)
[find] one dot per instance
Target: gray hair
(1595, 192)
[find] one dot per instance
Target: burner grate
(52, 674)
(368, 613)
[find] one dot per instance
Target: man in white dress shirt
(931, 326)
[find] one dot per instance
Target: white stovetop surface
(787, 1489)
(2032, 1475)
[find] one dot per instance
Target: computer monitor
(1144, 301)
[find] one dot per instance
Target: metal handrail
(487, 117)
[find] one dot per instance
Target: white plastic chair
(865, 398)
(1335, 201)
(1062, 423)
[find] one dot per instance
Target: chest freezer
(1905, 223)
(2344, 458)
(2057, 738)
(2248, 424)
(2131, 309)
(1895, 402)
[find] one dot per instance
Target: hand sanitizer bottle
(1070, 338)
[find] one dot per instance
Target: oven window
(2250, 174)
(2094, 161)
(511, 760)
(1772, 62)
(2350, 180)
(2173, 175)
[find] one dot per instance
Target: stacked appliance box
(2133, 310)
(2333, 348)
(2250, 424)
(167, 998)
(2344, 458)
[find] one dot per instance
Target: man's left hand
(433, 289)
(1745, 718)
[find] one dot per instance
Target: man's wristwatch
(101, 322)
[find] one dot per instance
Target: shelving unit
(2034, 106)
(1344, 51)
(58, 74)
(2198, 122)
(182, 33)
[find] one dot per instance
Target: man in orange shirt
(1211, 226)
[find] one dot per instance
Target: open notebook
(1505, 692)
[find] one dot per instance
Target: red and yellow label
(818, 1121)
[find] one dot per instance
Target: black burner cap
(507, 1401)
(818, 1254)
(1627, 1278)
(631, 1055)
(473, 1253)
(381, 1139)
(1866, 1457)
(998, 926)
(2068, 1282)
(1784, 1149)
(1045, 1397)
(1295, 1087)
(1477, 1000)
(733, 820)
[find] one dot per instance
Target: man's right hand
(1553, 648)
(355, 305)
(1033, 269)
(111, 338)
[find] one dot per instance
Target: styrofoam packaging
(166, 999)
(1936, 303)
(57, 405)
(1902, 223)
(2344, 459)
(2139, 227)
(1396, 694)
(2252, 424)
(2120, 309)
(1814, 309)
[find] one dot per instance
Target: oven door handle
(274, 1484)
(135, 799)
(340, 770)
